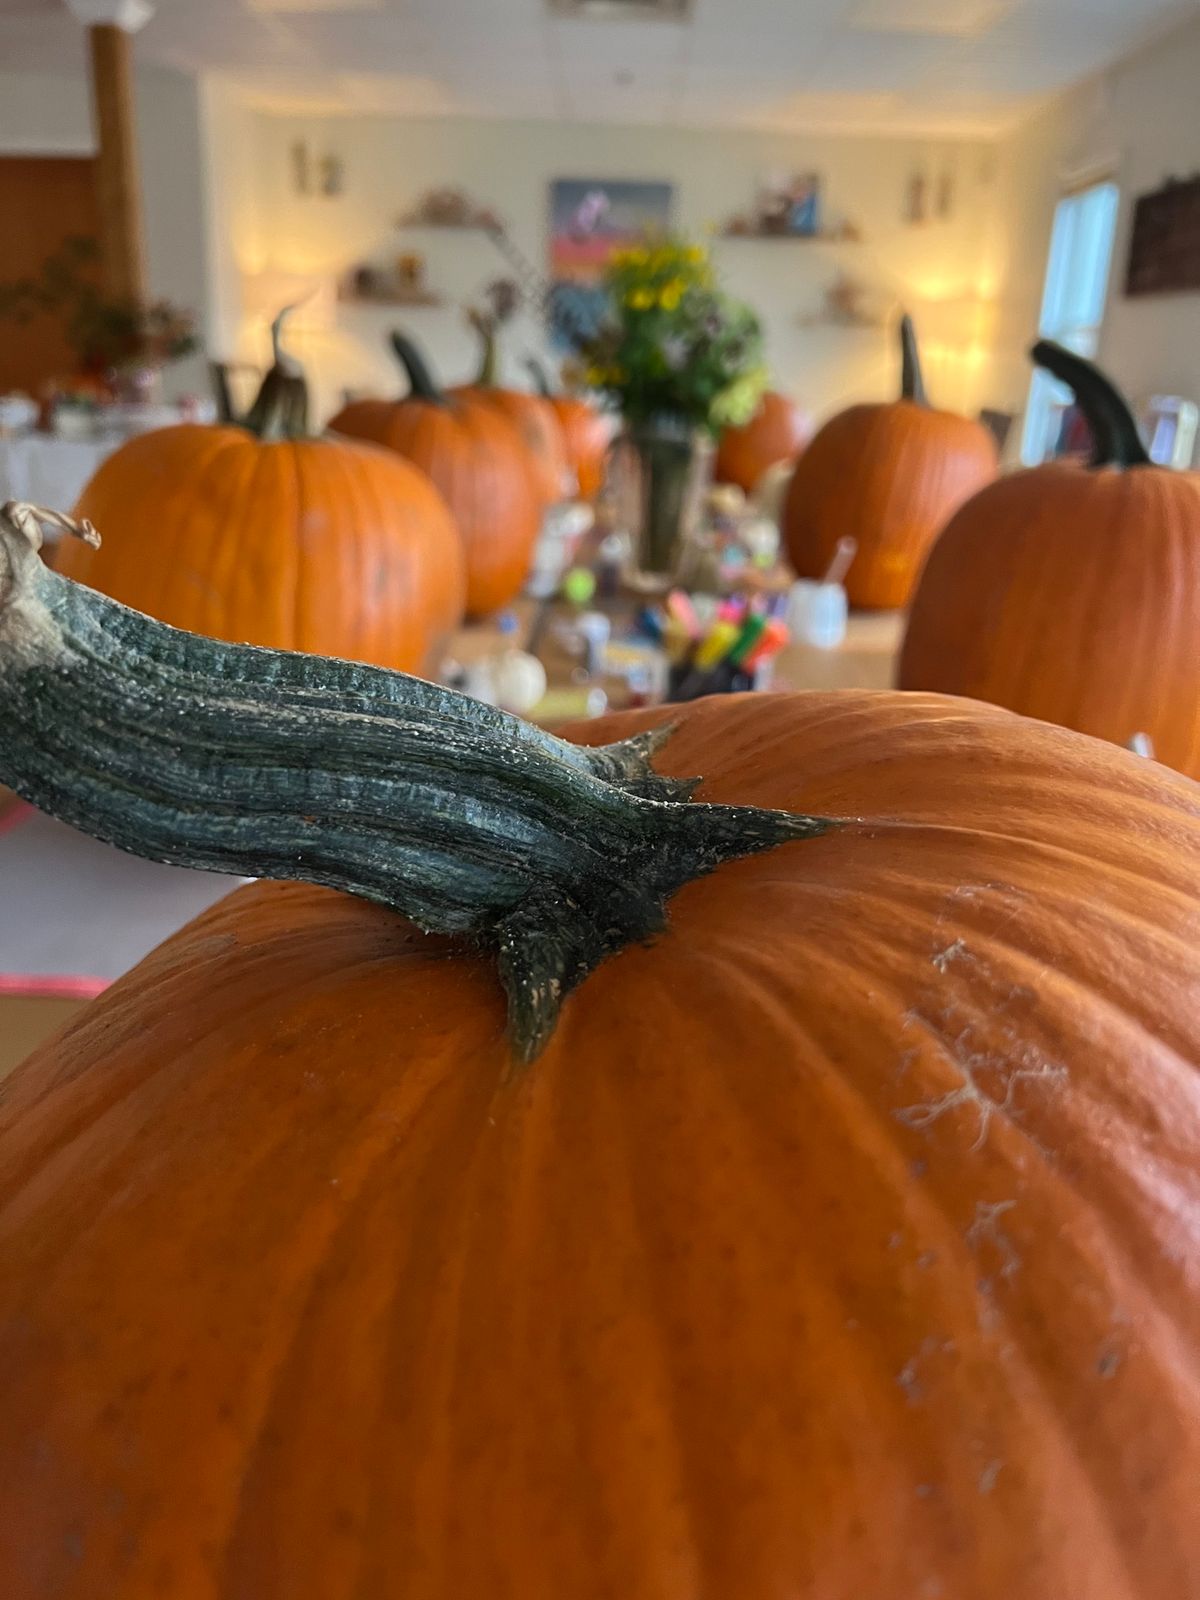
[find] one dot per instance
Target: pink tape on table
(15, 815)
(27, 986)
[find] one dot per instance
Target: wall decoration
(850, 303)
(301, 167)
(332, 176)
(916, 199)
(943, 203)
(403, 285)
(590, 218)
(323, 175)
(1164, 249)
(449, 208)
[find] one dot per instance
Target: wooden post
(118, 180)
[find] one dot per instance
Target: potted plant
(123, 343)
(680, 360)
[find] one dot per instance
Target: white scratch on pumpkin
(987, 1478)
(941, 959)
(985, 1229)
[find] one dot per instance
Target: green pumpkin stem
(271, 764)
(488, 351)
(541, 378)
(1115, 437)
(280, 409)
(222, 394)
(420, 380)
(912, 382)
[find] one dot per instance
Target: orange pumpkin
(888, 476)
(477, 460)
(1071, 592)
(587, 434)
(259, 534)
(778, 431)
(845, 1241)
(532, 416)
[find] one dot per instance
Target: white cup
(817, 613)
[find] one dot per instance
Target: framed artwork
(590, 218)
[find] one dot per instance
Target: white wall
(51, 115)
(1139, 123)
(302, 242)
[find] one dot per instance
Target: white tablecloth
(47, 471)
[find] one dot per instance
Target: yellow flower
(671, 295)
(695, 254)
(640, 299)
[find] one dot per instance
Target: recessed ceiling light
(313, 7)
(623, 10)
(944, 19)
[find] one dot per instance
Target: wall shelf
(389, 297)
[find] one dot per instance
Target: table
(49, 471)
(866, 659)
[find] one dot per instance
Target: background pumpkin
(1072, 592)
(479, 463)
(259, 534)
(887, 476)
(532, 416)
(587, 433)
(778, 431)
(842, 1242)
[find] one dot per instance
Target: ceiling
(934, 66)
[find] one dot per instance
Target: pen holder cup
(817, 613)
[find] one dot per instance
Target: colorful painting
(589, 219)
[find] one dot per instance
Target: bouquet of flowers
(672, 344)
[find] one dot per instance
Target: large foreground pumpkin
(843, 1244)
(1072, 592)
(262, 534)
(888, 476)
(478, 461)
(778, 431)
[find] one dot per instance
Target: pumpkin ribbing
(1071, 592)
(843, 1243)
(478, 462)
(257, 532)
(888, 476)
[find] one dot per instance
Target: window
(1081, 248)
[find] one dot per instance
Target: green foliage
(106, 334)
(672, 342)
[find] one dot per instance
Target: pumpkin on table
(844, 1241)
(531, 415)
(778, 431)
(587, 433)
(476, 459)
(256, 531)
(888, 476)
(1071, 592)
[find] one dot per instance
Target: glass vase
(671, 469)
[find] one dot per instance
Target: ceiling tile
(785, 63)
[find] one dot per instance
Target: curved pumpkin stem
(912, 382)
(420, 380)
(280, 409)
(541, 378)
(485, 378)
(466, 820)
(1114, 430)
(222, 394)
